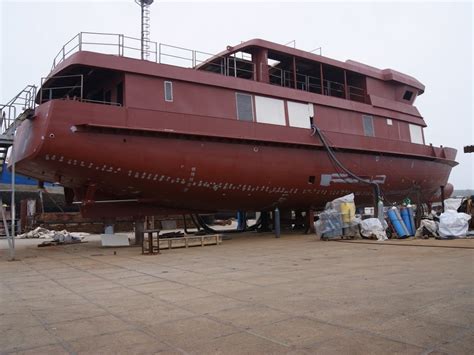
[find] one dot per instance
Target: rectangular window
(244, 107)
(368, 126)
(416, 135)
(299, 114)
(168, 91)
(389, 121)
(407, 96)
(270, 110)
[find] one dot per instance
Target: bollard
(276, 222)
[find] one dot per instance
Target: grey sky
(431, 41)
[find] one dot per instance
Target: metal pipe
(276, 222)
(12, 250)
(142, 5)
(442, 197)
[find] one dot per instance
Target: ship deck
(252, 294)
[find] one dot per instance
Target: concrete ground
(253, 294)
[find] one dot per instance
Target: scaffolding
(19, 108)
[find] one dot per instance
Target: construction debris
(62, 237)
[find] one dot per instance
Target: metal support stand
(276, 222)
(139, 228)
(310, 222)
(265, 222)
(13, 214)
(442, 197)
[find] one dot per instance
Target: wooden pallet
(190, 241)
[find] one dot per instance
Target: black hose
(332, 156)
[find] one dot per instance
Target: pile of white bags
(453, 224)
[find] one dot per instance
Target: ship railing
(308, 83)
(334, 88)
(180, 56)
(281, 77)
(107, 43)
(356, 93)
(13, 109)
(230, 65)
(67, 87)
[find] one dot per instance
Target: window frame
(364, 120)
(171, 97)
(252, 108)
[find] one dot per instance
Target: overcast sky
(431, 41)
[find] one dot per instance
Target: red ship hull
(227, 134)
(185, 165)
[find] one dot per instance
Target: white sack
(452, 204)
(372, 226)
(452, 223)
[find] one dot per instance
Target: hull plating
(172, 169)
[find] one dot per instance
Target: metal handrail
(9, 112)
(71, 89)
(121, 42)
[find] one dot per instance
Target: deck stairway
(15, 111)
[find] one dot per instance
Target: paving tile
(125, 342)
(138, 279)
(19, 337)
(460, 344)
(209, 304)
(225, 286)
(360, 343)
(182, 294)
(152, 314)
(299, 331)
(44, 350)
(68, 313)
(10, 321)
(156, 287)
(87, 327)
(239, 343)
(419, 331)
(250, 316)
(185, 333)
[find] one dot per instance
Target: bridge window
(244, 107)
(168, 91)
(408, 95)
(368, 125)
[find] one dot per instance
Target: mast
(145, 27)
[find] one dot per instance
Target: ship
(253, 128)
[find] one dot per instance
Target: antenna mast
(145, 32)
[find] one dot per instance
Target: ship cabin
(256, 81)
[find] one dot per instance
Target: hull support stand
(276, 222)
(139, 230)
(310, 222)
